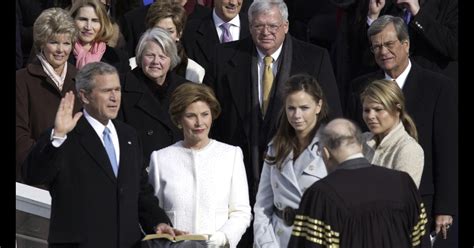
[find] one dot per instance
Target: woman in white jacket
(201, 183)
(291, 164)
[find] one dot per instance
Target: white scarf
(48, 69)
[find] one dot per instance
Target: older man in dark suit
(94, 170)
(201, 35)
(431, 100)
(249, 89)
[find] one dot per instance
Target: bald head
(342, 138)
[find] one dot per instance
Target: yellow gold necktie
(267, 82)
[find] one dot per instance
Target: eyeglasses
(272, 28)
(390, 45)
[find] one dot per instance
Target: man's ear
(326, 153)
(83, 96)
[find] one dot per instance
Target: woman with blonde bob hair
(201, 183)
(392, 140)
(41, 85)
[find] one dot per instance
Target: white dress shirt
(402, 78)
(234, 27)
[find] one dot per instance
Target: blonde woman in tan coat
(393, 140)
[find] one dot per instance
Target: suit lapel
(289, 174)
(240, 71)
(284, 69)
(125, 143)
(93, 145)
(413, 97)
(208, 36)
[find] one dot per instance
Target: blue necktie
(226, 35)
(407, 16)
(109, 147)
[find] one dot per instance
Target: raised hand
(375, 7)
(65, 121)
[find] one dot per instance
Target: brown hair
(389, 94)
(160, 10)
(163, 9)
(188, 93)
(285, 139)
(106, 31)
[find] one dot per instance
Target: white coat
(203, 191)
(284, 189)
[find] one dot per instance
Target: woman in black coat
(147, 88)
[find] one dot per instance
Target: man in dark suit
(431, 100)
(201, 35)
(357, 204)
(236, 75)
(98, 183)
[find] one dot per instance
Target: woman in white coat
(291, 163)
(200, 182)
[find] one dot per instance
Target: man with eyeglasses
(431, 99)
(357, 204)
(248, 87)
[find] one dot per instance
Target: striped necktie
(267, 82)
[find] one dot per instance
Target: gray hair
(348, 134)
(380, 23)
(85, 77)
(52, 21)
(261, 6)
(164, 40)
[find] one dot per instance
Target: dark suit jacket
(233, 77)
(200, 38)
(431, 100)
(132, 25)
(112, 56)
(90, 206)
(148, 115)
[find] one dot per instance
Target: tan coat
(398, 151)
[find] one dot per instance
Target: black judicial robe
(360, 205)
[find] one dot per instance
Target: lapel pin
(129, 142)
